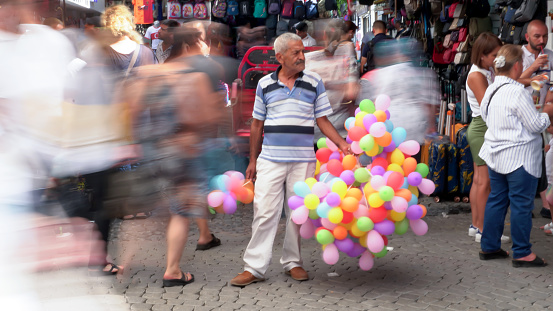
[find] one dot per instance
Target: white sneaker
(472, 230)
(478, 238)
(505, 239)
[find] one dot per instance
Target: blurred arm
(256, 133)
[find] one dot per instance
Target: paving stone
(162, 308)
(183, 308)
(141, 307)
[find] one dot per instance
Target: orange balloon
(389, 157)
(404, 193)
(248, 184)
(380, 162)
(409, 165)
(424, 210)
(355, 193)
(380, 115)
(340, 233)
(349, 162)
(385, 140)
(219, 209)
(248, 198)
(350, 204)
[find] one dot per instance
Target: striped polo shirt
(290, 115)
(513, 138)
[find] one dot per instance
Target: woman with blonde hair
(479, 78)
(512, 151)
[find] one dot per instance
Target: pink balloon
(229, 205)
(362, 211)
(330, 254)
(215, 198)
(409, 147)
(366, 262)
(323, 168)
(399, 204)
(320, 189)
(382, 102)
(427, 186)
(355, 147)
(307, 230)
(327, 224)
(419, 226)
(375, 243)
(377, 182)
(377, 129)
(369, 120)
(332, 146)
(300, 215)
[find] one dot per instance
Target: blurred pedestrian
(53, 23)
(286, 157)
(367, 53)
(512, 150)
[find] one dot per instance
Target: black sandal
(500, 254)
(113, 269)
(213, 243)
(538, 262)
(178, 282)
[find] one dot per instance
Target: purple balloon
(391, 147)
(358, 110)
(388, 206)
(295, 202)
(368, 120)
(385, 227)
(387, 112)
(345, 245)
(357, 250)
(316, 222)
(229, 205)
(414, 179)
(378, 170)
(333, 199)
(335, 155)
(348, 177)
(414, 212)
(348, 140)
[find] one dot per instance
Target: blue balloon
(222, 182)
(323, 209)
(414, 200)
(405, 183)
(398, 135)
(364, 159)
(302, 189)
(389, 126)
(349, 122)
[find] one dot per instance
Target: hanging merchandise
(143, 11)
(219, 8)
(287, 9)
(260, 9)
(299, 10)
(274, 7)
(173, 10)
(188, 10)
(311, 11)
(232, 8)
(200, 10)
(245, 9)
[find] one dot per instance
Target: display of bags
(232, 8)
(513, 34)
(219, 8)
(526, 11)
(287, 9)
(461, 58)
(311, 9)
(188, 10)
(299, 10)
(260, 9)
(274, 7)
(174, 10)
(200, 11)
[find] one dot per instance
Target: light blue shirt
(513, 138)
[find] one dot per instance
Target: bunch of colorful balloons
(231, 188)
(355, 201)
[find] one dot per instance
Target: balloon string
(247, 182)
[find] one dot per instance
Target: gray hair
(281, 43)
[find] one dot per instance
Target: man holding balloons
(287, 104)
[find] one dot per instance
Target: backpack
(287, 9)
(245, 8)
(282, 27)
(444, 14)
(299, 10)
(274, 7)
(200, 10)
(311, 11)
(260, 9)
(187, 10)
(232, 8)
(174, 11)
(271, 22)
(526, 11)
(219, 8)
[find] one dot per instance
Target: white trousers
(274, 185)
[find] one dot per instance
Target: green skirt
(475, 136)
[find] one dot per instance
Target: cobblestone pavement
(438, 271)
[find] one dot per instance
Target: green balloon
(367, 105)
(356, 183)
(321, 143)
(365, 224)
(382, 253)
(386, 193)
(361, 175)
(366, 143)
(401, 226)
(212, 210)
(422, 169)
(313, 214)
(325, 237)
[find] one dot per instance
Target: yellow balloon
(374, 151)
(375, 200)
(340, 188)
(335, 215)
(363, 240)
(397, 157)
(355, 230)
(414, 190)
(311, 201)
(397, 216)
(348, 225)
(317, 168)
(359, 119)
(310, 182)
(368, 189)
(396, 168)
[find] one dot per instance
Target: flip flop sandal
(178, 282)
(538, 262)
(113, 269)
(143, 215)
(500, 254)
(213, 243)
(547, 227)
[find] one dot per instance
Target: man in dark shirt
(367, 57)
